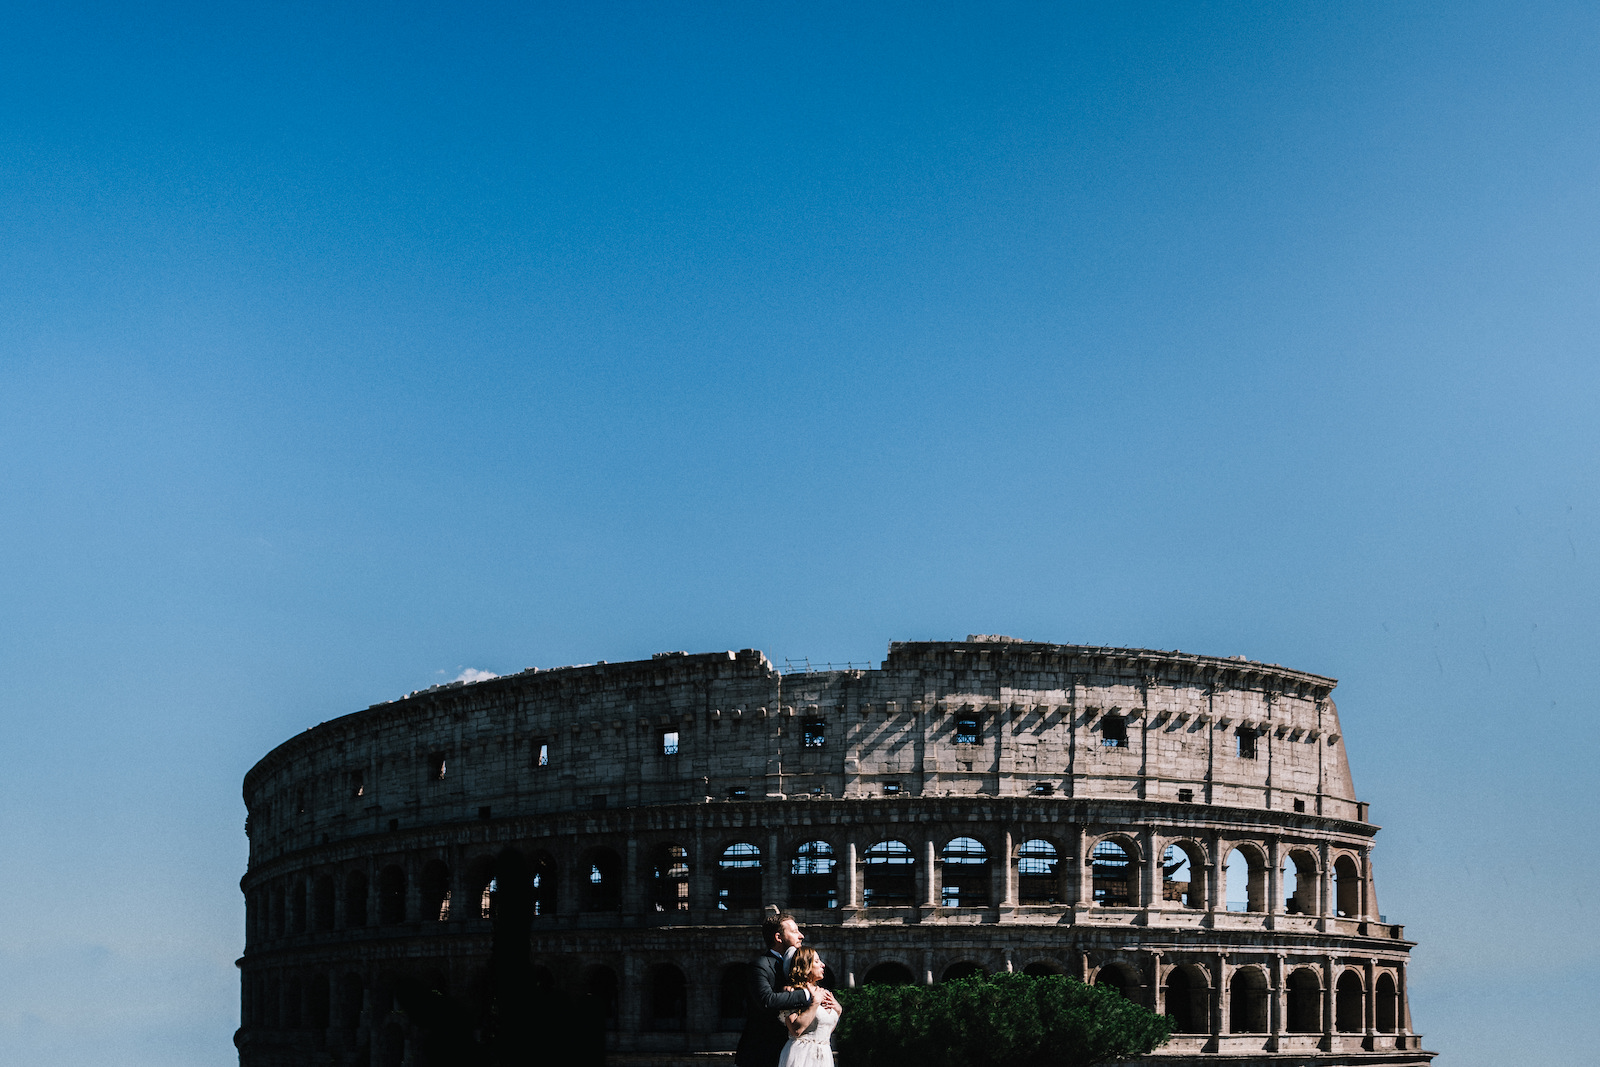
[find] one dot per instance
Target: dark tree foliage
(1002, 1020)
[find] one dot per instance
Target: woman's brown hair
(800, 966)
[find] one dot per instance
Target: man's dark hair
(773, 922)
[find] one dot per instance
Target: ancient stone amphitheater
(1181, 827)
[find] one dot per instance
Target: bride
(811, 1029)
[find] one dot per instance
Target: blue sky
(346, 348)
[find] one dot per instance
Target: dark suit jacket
(764, 1035)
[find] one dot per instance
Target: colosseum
(1181, 827)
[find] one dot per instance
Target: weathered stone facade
(987, 803)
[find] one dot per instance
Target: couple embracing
(789, 1017)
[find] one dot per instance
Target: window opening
(1043, 789)
(815, 735)
(1299, 805)
(541, 752)
(669, 742)
(1246, 741)
(891, 788)
(1177, 879)
(888, 875)
(965, 881)
(1111, 869)
(739, 877)
(737, 792)
(1186, 796)
(358, 787)
(813, 876)
(1037, 882)
(1113, 732)
(436, 767)
(669, 888)
(967, 731)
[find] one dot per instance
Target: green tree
(1003, 1020)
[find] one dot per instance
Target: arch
(1121, 977)
(1349, 1016)
(355, 899)
(889, 972)
(274, 1004)
(667, 1007)
(391, 896)
(1245, 879)
(391, 1046)
(435, 886)
(1037, 879)
(543, 879)
(1301, 866)
(318, 1002)
(480, 889)
(888, 875)
(1183, 879)
(322, 895)
(813, 876)
(964, 874)
(1112, 861)
(293, 999)
(739, 877)
(600, 888)
(669, 877)
(351, 993)
(1387, 1004)
(962, 969)
(1247, 1001)
(600, 984)
(731, 995)
(1305, 1002)
(1188, 1000)
(297, 906)
(275, 912)
(1346, 888)
(1039, 968)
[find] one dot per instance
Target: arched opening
(1112, 875)
(731, 995)
(669, 878)
(481, 888)
(1182, 882)
(888, 973)
(1037, 880)
(1300, 883)
(1039, 968)
(964, 874)
(814, 876)
(1185, 994)
(962, 969)
(355, 899)
(435, 886)
(669, 1000)
(1247, 1001)
(351, 992)
(391, 896)
(322, 903)
(543, 880)
(600, 984)
(601, 888)
(297, 906)
(274, 1005)
(293, 1001)
(1347, 888)
(1387, 1005)
(1246, 877)
(739, 877)
(391, 1046)
(888, 875)
(317, 1002)
(1120, 977)
(1305, 1002)
(1348, 1016)
(276, 912)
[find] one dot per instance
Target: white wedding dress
(812, 1048)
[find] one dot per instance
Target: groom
(764, 1036)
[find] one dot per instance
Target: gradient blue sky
(345, 348)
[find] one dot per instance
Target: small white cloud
(473, 674)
